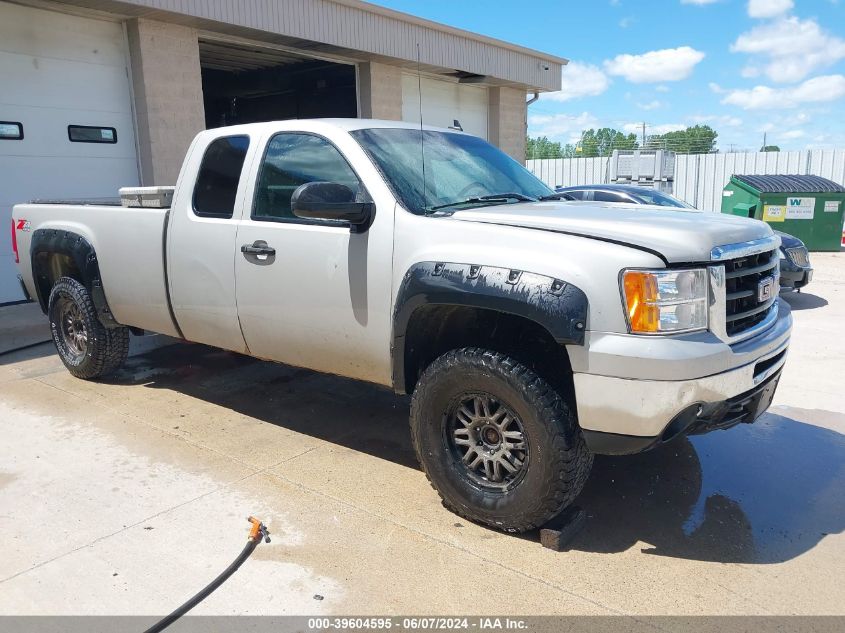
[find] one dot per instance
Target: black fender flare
(82, 254)
(556, 305)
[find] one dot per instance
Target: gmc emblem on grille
(764, 289)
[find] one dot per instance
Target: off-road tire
(100, 350)
(558, 461)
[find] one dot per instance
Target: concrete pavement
(138, 487)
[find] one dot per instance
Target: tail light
(15, 242)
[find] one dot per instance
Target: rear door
(201, 241)
(322, 298)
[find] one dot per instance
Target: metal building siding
(356, 29)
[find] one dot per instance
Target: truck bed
(130, 247)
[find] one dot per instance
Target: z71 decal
(23, 225)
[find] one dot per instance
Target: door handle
(258, 247)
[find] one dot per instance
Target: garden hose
(257, 532)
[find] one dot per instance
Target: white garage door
(443, 102)
(61, 76)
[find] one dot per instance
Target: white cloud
(637, 128)
(719, 120)
(714, 87)
(815, 90)
(792, 134)
(579, 80)
(669, 64)
(565, 127)
(651, 105)
(750, 72)
(785, 121)
(624, 23)
(768, 8)
(661, 88)
(790, 48)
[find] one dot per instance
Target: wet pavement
(187, 437)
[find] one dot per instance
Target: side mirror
(331, 201)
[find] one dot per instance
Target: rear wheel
(87, 347)
(496, 441)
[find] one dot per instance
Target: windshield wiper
(494, 197)
(555, 196)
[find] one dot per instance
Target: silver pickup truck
(532, 333)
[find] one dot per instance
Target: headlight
(658, 301)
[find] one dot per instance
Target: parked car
(795, 268)
(628, 194)
(532, 333)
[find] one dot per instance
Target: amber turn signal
(641, 301)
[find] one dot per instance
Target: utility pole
(764, 142)
(643, 133)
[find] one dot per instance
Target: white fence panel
(700, 178)
(565, 172)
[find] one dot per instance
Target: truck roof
(321, 124)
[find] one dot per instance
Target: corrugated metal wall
(700, 178)
(565, 172)
(355, 27)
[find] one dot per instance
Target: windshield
(460, 170)
(661, 199)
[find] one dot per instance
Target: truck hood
(678, 235)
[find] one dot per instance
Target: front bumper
(637, 405)
(794, 276)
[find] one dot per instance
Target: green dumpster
(808, 207)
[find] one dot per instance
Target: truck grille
(799, 256)
(746, 303)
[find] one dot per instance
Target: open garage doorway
(246, 84)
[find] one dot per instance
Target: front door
(311, 293)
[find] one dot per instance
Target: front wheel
(87, 347)
(496, 441)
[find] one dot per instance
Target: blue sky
(744, 67)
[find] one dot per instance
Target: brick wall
(167, 87)
(380, 91)
(506, 120)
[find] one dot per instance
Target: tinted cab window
(219, 175)
(292, 160)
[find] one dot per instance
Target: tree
(603, 141)
(770, 148)
(542, 147)
(699, 139)
(569, 151)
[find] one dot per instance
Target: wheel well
(48, 268)
(433, 330)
